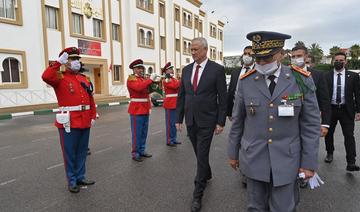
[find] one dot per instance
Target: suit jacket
(270, 144)
(231, 90)
(352, 93)
(207, 107)
(322, 95)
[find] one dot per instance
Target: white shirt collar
(342, 72)
(276, 73)
(203, 64)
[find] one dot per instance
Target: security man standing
(171, 87)
(276, 127)
(74, 93)
(139, 109)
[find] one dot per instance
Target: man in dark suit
(299, 55)
(202, 100)
(345, 101)
(247, 60)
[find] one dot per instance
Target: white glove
(63, 59)
(315, 181)
(93, 122)
(153, 76)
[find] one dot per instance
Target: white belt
(75, 108)
(171, 95)
(139, 100)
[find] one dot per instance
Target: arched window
(11, 70)
(146, 4)
(141, 3)
(142, 37)
(189, 20)
(150, 70)
(149, 38)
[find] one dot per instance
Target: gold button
(271, 105)
(271, 117)
(270, 141)
(270, 129)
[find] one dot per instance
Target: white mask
(298, 61)
(75, 65)
(267, 69)
(247, 60)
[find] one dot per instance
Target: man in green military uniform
(276, 122)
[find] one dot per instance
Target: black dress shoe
(196, 205)
(74, 189)
(146, 155)
(352, 168)
(329, 158)
(303, 184)
(171, 145)
(139, 159)
(85, 182)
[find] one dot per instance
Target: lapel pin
(287, 75)
(256, 78)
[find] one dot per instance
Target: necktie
(338, 89)
(272, 83)
(196, 75)
(247, 69)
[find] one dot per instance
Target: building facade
(110, 34)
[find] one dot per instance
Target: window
(200, 26)
(213, 53)
(196, 23)
(177, 45)
(162, 43)
(118, 77)
(78, 24)
(177, 14)
(146, 5)
(187, 47)
(162, 10)
(145, 36)
(51, 17)
(7, 9)
(220, 55)
(97, 28)
(116, 32)
(213, 30)
(11, 73)
(220, 34)
(187, 19)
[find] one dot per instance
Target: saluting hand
(234, 164)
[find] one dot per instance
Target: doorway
(97, 79)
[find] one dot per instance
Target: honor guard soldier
(74, 93)
(139, 109)
(171, 87)
(275, 129)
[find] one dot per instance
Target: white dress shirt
(276, 74)
(201, 69)
(342, 77)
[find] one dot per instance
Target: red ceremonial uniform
(171, 89)
(138, 90)
(69, 92)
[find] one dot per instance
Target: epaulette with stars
(300, 70)
(247, 74)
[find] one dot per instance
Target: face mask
(267, 69)
(338, 65)
(298, 61)
(75, 65)
(247, 60)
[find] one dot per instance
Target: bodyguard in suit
(202, 100)
(345, 101)
(247, 64)
(276, 125)
(299, 55)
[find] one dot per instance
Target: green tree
(300, 43)
(316, 51)
(355, 51)
(333, 50)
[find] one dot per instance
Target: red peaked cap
(167, 67)
(136, 63)
(73, 52)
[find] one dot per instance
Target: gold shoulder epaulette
(60, 75)
(247, 74)
(87, 77)
(300, 70)
(132, 77)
